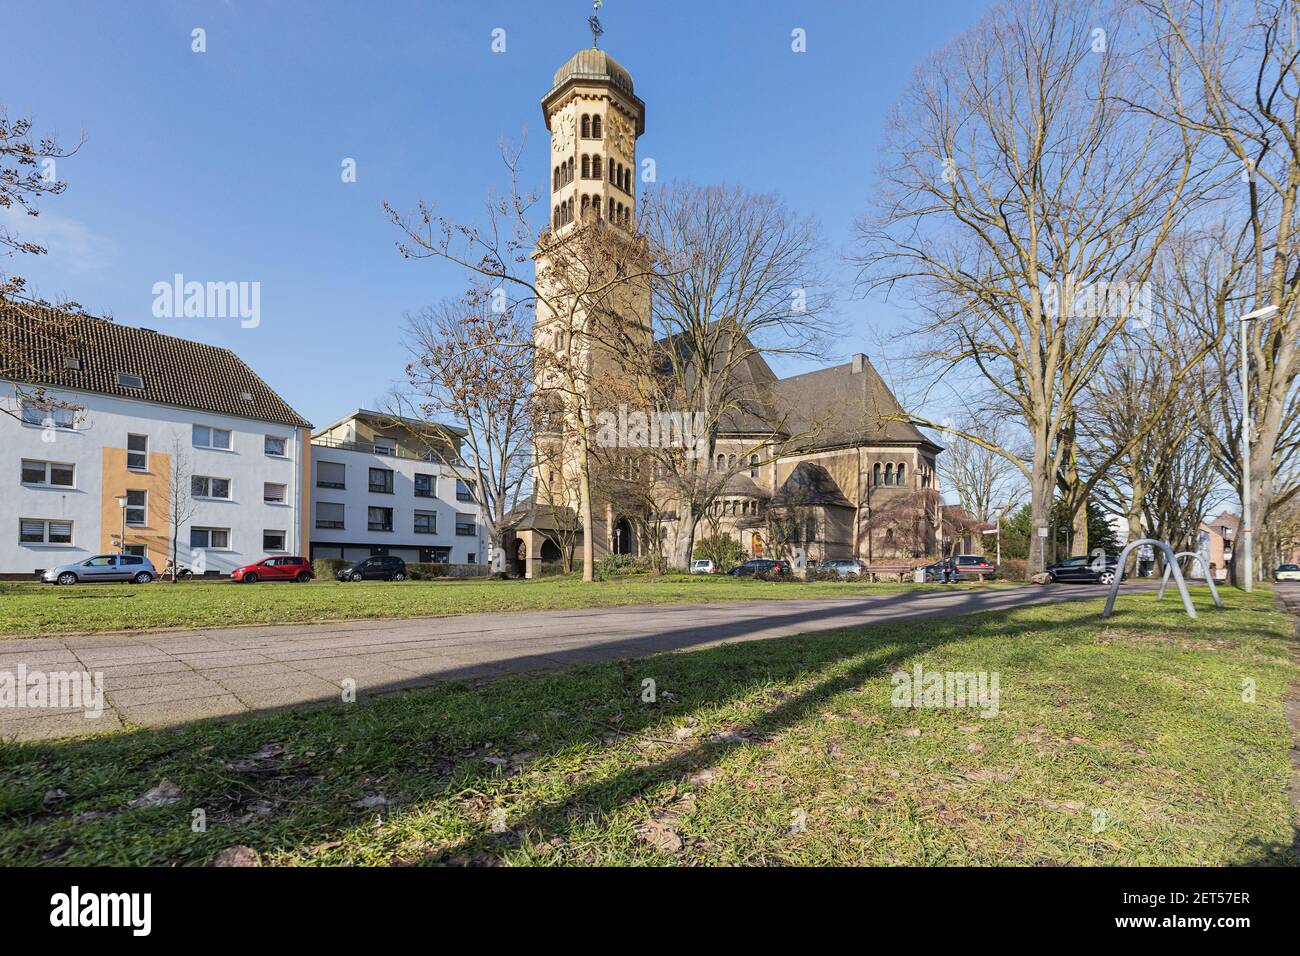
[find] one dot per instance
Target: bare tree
(739, 281)
(985, 482)
(177, 504)
(463, 366)
(1024, 209)
(1232, 71)
(46, 331)
(586, 278)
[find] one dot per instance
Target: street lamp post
(1247, 547)
(121, 539)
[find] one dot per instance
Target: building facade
(383, 484)
(824, 461)
(120, 438)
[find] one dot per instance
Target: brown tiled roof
(810, 484)
(36, 344)
(842, 406)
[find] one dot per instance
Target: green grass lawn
(1125, 741)
(35, 609)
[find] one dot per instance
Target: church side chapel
(818, 461)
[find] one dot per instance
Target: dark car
(974, 565)
(760, 566)
(1085, 569)
(274, 569)
(380, 567)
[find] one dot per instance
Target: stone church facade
(818, 461)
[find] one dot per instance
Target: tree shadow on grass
(429, 750)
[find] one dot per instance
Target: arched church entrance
(624, 542)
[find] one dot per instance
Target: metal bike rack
(1205, 566)
(1171, 562)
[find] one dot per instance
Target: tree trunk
(584, 505)
(686, 523)
(1041, 484)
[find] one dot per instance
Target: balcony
(390, 451)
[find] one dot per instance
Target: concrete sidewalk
(178, 676)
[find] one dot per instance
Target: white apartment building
(384, 484)
(109, 432)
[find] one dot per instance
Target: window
(465, 526)
(136, 507)
(272, 493)
(753, 466)
(49, 416)
(273, 540)
(595, 127)
(136, 550)
(215, 538)
(473, 558)
(47, 473)
(137, 452)
(426, 522)
(329, 514)
(129, 380)
(464, 490)
(889, 474)
(275, 445)
(42, 531)
(586, 126)
(205, 437)
(329, 474)
(586, 167)
(381, 481)
(875, 473)
(902, 472)
(596, 171)
(380, 519)
(426, 486)
(385, 446)
(203, 486)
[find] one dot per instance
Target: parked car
(103, 567)
(703, 566)
(760, 566)
(380, 567)
(1287, 572)
(973, 565)
(843, 566)
(274, 569)
(934, 572)
(1085, 569)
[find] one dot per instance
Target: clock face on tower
(562, 134)
(620, 134)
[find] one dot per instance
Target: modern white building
(115, 436)
(384, 484)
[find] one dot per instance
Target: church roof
(847, 404)
(810, 484)
(593, 64)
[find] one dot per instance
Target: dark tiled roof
(810, 484)
(839, 406)
(36, 344)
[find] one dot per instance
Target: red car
(274, 569)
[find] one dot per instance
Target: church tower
(594, 118)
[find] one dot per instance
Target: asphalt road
(177, 676)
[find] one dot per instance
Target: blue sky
(225, 165)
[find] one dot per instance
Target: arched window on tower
(611, 209)
(571, 169)
(875, 473)
(555, 218)
(570, 209)
(595, 127)
(555, 183)
(621, 220)
(627, 180)
(586, 201)
(586, 166)
(753, 466)
(731, 462)
(586, 126)
(889, 473)
(596, 171)
(613, 168)
(902, 473)
(722, 462)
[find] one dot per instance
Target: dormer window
(129, 380)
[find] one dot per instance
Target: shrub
(723, 550)
(326, 568)
(1013, 569)
(616, 565)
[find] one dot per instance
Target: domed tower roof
(594, 64)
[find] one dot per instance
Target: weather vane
(593, 22)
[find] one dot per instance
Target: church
(819, 461)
